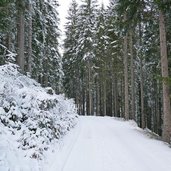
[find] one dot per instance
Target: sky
(64, 5)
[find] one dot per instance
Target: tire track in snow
(71, 147)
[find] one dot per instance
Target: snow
(107, 144)
(37, 134)
(32, 120)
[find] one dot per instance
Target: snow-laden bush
(32, 114)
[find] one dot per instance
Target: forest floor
(109, 144)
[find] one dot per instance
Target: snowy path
(106, 144)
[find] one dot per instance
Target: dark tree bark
(165, 74)
(132, 116)
(20, 34)
(126, 76)
(30, 39)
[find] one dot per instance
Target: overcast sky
(64, 5)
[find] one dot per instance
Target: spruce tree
(71, 61)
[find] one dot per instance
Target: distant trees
(30, 30)
(118, 64)
(72, 66)
(89, 58)
(79, 54)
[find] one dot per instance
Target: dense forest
(115, 61)
(29, 36)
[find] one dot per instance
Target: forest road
(109, 144)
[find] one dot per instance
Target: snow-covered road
(107, 144)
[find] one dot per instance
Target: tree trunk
(143, 118)
(83, 100)
(97, 99)
(20, 34)
(104, 98)
(126, 76)
(89, 89)
(114, 95)
(166, 135)
(132, 116)
(30, 39)
(122, 98)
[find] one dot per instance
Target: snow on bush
(33, 115)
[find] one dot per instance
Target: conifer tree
(71, 61)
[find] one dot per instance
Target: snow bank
(31, 119)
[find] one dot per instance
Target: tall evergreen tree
(71, 61)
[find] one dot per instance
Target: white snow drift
(31, 120)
